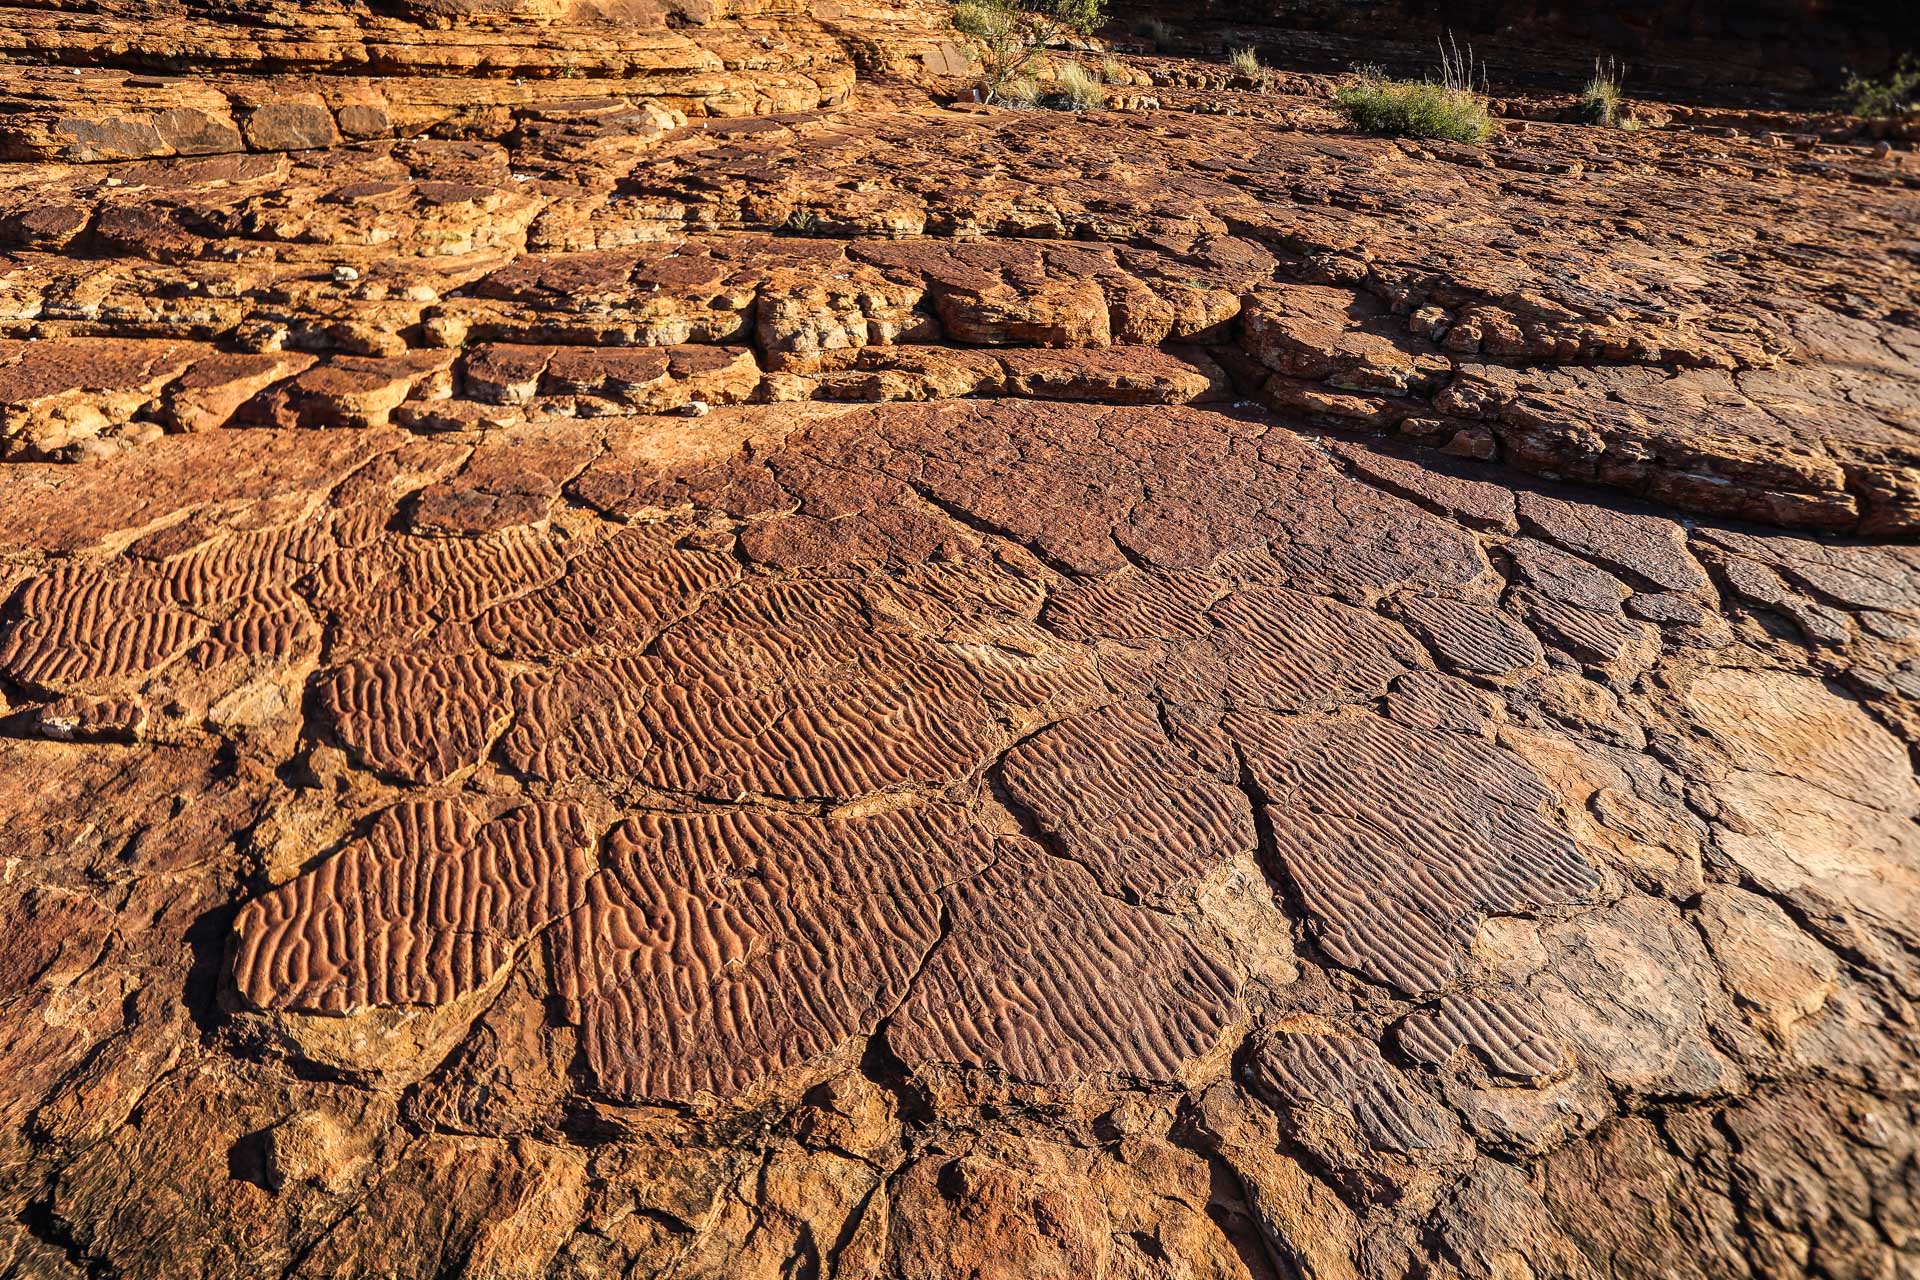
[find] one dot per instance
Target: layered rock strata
(1722, 324)
(131, 81)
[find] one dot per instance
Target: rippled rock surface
(632, 667)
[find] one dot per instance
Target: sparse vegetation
(1601, 100)
(1011, 36)
(1447, 107)
(1154, 32)
(1246, 64)
(1114, 71)
(1894, 94)
(1023, 93)
(1075, 89)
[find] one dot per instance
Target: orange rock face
(622, 656)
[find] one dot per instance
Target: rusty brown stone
(634, 643)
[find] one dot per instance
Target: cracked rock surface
(903, 692)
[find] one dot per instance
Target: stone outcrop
(1645, 312)
(128, 81)
(614, 680)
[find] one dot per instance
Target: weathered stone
(794, 692)
(289, 125)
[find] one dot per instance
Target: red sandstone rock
(792, 692)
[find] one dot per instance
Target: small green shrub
(1010, 36)
(1114, 71)
(979, 19)
(1601, 100)
(1075, 89)
(1414, 109)
(1895, 94)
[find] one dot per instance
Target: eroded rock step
(120, 81)
(471, 285)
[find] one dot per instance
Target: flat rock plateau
(639, 643)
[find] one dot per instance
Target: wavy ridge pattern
(1114, 795)
(419, 718)
(1288, 651)
(617, 595)
(87, 624)
(1347, 1076)
(1507, 1038)
(1044, 978)
(1135, 606)
(715, 950)
(793, 689)
(397, 590)
(430, 906)
(1469, 636)
(77, 627)
(1401, 840)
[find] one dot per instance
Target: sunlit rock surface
(631, 649)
